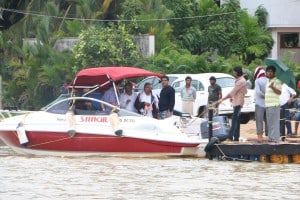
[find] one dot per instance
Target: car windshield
(159, 86)
(226, 82)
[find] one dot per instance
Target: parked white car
(155, 82)
(201, 83)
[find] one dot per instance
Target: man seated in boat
(110, 96)
(96, 95)
(88, 107)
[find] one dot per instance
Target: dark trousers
(234, 133)
(285, 117)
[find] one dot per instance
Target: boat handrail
(72, 99)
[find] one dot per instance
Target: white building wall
(282, 13)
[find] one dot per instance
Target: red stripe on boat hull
(92, 143)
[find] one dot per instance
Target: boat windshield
(84, 106)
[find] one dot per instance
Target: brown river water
(25, 177)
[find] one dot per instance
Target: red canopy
(100, 75)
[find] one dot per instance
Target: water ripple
(24, 177)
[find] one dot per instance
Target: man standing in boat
(127, 98)
(146, 103)
(111, 96)
(167, 99)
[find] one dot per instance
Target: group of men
(147, 103)
(273, 99)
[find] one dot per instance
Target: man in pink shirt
(237, 98)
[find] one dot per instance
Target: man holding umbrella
(272, 103)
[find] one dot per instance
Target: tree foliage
(102, 46)
(191, 36)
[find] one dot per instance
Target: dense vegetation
(192, 36)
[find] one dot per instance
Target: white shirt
(286, 93)
(123, 101)
(147, 111)
(260, 90)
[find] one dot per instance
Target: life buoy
(211, 143)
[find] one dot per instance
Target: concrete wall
(145, 44)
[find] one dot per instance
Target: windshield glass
(226, 82)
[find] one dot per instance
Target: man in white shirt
(127, 98)
(260, 82)
(188, 96)
(286, 98)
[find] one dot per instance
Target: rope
(224, 157)
(34, 145)
(32, 13)
(61, 139)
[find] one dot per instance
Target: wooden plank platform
(252, 149)
(256, 149)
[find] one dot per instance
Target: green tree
(102, 46)
(261, 14)
(144, 18)
(223, 31)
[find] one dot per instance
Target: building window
(289, 40)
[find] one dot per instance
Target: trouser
(234, 133)
(273, 117)
(260, 119)
(188, 107)
(163, 114)
(285, 118)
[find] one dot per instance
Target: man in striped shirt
(272, 102)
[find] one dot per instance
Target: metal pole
(210, 121)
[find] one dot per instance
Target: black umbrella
(283, 73)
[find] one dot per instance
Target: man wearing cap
(214, 94)
(188, 96)
(237, 97)
(260, 82)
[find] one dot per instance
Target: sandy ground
(248, 130)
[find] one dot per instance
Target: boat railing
(69, 103)
(10, 113)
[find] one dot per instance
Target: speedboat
(63, 129)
